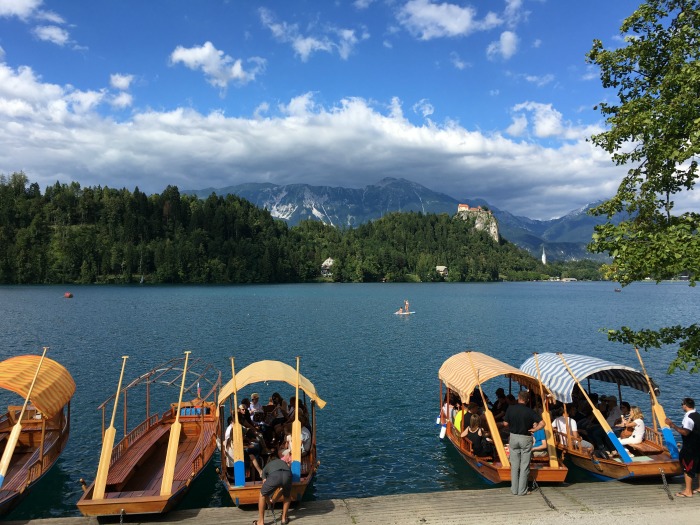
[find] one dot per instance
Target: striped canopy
(269, 371)
(53, 388)
(559, 381)
(464, 371)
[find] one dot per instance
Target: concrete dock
(582, 504)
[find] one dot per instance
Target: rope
(663, 478)
(535, 486)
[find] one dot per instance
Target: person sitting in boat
(613, 410)
(560, 424)
(539, 443)
(636, 425)
(244, 415)
(500, 405)
(255, 405)
(252, 450)
(618, 425)
(482, 445)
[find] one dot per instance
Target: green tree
(654, 127)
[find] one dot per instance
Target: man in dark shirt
(690, 451)
(277, 474)
(522, 422)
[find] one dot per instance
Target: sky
(475, 99)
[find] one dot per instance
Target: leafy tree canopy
(654, 127)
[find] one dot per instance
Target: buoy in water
(68, 295)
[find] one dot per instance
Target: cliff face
(483, 221)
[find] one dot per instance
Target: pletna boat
(153, 466)
(241, 481)
(656, 455)
(463, 374)
(32, 435)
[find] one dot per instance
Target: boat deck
(592, 503)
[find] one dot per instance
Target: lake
(376, 370)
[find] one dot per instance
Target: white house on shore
(326, 268)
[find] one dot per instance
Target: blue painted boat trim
(239, 474)
(296, 471)
(670, 442)
(624, 456)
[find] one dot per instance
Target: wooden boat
(154, 464)
(656, 455)
(244, 485)
(40, 426)
(462, 374)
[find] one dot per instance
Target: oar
(14, 435)
(296, 435)
(166, 485)
(551, 447)
(237, 438)
(107, 444)
(658, 411)
(622, 451)
(495, 435)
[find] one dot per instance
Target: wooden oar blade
(551, 446)
(103, 466)
(238, 459)
(9, 451)
(296, 450)
(166, 485)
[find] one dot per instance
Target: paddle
(107, 444)
(14, 435)
(237, 438)
(166, 485)
(551, 447)
(622, 451)
(495, 434)
(658, 411)
(296, 435)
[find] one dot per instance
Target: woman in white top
(636, 425)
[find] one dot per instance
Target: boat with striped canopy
(151, 469)
(240, 480)
(561, 373)
(41, 425)
(464, 374)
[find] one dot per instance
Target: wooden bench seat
(120, 470)
(184, 471)
(645, 448)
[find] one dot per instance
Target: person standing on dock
(522, 422)
(276, 475)
(690, 452)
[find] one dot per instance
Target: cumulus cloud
(457, 61)
(54, 34)
(423, 108)
(328, 39)
(121, 82)
(22, 9)
(218, 68)
(428, 20)
(122, 100)
(55, 132)
(505, 47)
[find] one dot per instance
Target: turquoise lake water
(377, 371)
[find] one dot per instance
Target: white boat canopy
(464, 371)
(269, 371)
(557, 379)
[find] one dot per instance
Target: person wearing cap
(277, 474)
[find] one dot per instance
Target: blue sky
(476, 99)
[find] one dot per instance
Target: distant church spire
(544, 257)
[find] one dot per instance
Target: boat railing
(653, 436)
(562, 439)
(133, 436)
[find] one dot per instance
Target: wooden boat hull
(614, 468)
(27, 468)
(249, 494)
(133, 484)
(494, 472)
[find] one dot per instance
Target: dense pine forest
(71, 234)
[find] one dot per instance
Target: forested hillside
(71, 234)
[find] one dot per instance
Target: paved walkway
(580, 504)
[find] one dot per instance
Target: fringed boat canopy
(556, 377)
(462, 372)
(54, 386)
(264, 371)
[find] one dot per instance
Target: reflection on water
(377, 371)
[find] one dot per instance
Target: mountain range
(564, 238)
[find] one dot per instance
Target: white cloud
(54, 34)
(505, 47)
(423, 108)
(457, 61)
(428, 20)
(56, 133)
(539, 80)
(328, 40)
(122, 100)
(218, 68)
(121, 82)
(22, 9)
